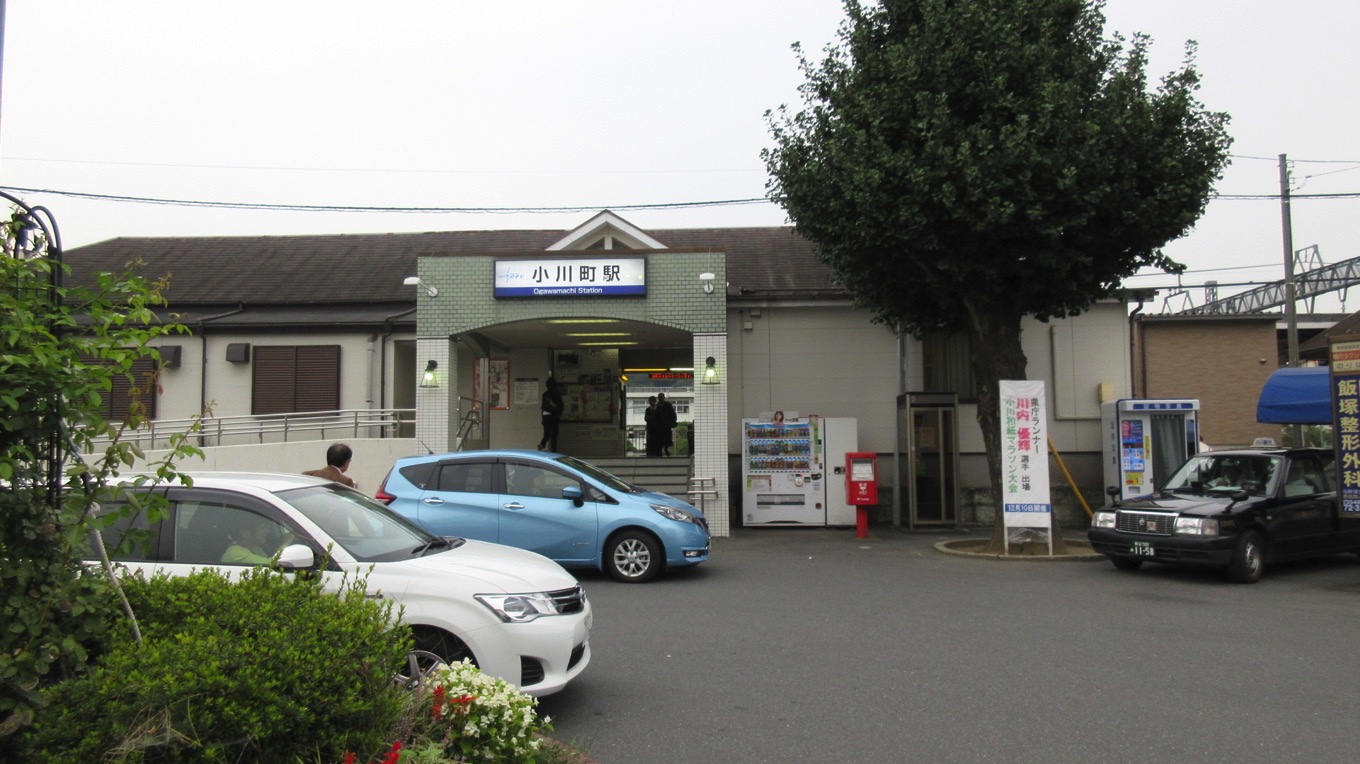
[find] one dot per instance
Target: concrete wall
(815, 359)
(372, 458)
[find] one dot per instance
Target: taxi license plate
(1142, 549)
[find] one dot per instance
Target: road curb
(1084, 556)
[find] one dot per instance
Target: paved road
(809, 645)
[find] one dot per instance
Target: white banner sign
(1024, 455)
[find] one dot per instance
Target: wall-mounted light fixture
(415, 281)
(427, 379)
(710, 371)
(707, 279)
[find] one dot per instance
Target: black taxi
(1238, 510)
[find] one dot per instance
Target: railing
(471, 421)
(702, 489)
(278, 428)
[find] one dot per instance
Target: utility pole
(1290, 289)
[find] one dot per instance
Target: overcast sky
(571, 103)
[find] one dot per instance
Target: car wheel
(434, 647)
(1248, 559)
(633, 557)
(419, 664)
(1127, 563)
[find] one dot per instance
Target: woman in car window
(248, 546)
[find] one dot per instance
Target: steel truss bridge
(1311, 278)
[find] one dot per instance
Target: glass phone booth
(927, 460)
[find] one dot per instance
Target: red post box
(861, 488)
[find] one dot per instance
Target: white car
(516, 614)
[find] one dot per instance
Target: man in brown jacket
(338, 457)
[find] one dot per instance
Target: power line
(1204, 270)
(373, 170)
(506, 210)
(374, 209)
(1299, 161)
(1276, 197)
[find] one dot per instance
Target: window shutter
(288, 379)
(272, 379)
(318, 378)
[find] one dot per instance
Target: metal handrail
(704, 488)
(471, 421)
(275, 428)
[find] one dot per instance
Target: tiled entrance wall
(675, 297)
(710, 428)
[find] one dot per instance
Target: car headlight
(1102, 520)
(1196, 526)
(672, 513)
(519, 608)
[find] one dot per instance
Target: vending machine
(1146, 440)
(787, 466)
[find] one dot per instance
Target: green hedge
(268, 669)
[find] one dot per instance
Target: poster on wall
(526, 391)
(1025, 498)
(499, 388)
(588, 403)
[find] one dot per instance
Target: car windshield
(600, 476)
(1226, 474)
(367, 530)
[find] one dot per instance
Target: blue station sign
(572, 277)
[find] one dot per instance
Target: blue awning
(1296, 396)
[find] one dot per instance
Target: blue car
(559, 506)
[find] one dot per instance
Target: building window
(117, 403)
(295, 378)
(947, 366)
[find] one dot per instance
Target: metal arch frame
(33, 233)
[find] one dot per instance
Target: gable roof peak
(606, 222)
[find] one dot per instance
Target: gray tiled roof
(354, 268)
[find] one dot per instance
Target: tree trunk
(996, 354)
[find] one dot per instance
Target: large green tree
(963, 164)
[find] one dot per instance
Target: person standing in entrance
(338, 457)
(655, 437)
(551, 408)
(666, 420)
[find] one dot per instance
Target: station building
(443, 341)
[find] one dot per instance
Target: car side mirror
(1113, 493)
(573, 492)
(296, 557)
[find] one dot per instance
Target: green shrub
(267, 669)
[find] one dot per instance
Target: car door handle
(432, 500)
(514, 505)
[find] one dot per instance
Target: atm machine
(1145, 440)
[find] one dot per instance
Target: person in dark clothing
(551, 408)
(665, 413)
(655, 437)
